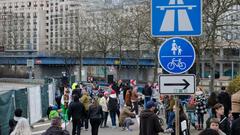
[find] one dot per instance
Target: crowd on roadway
(124, 102)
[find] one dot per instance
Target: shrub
(234, 85)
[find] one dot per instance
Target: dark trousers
(200, 119)
(104, 119)
(135, 107)
(95, 123)
(76, 127)
(113, 117)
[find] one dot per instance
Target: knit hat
(113, 92)
(150, 104)
(106, 93)
(56, 121)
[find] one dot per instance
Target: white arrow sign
(177, 84)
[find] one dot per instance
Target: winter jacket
(95, 112)
(235, 127)
(147, 92)
(56, 131)
(224, 124)
(77, 92)
(103, 103)
(149, 123)
(225, 99)
(113, 103)
(201, 107)
(128, 98)
(134, 97)
(85, 101)
(76, 110)
(212, 100)
(124, 114)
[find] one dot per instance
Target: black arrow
(186, 84)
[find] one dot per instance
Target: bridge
(88, 61)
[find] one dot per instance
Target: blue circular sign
(176, 55)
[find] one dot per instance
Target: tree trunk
(80, 72)
(155, 60)
(138, 57)
(213, 62)
(105, 66)
(198, 54)
(120, 63)
(212, 65)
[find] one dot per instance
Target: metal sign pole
(177, 120)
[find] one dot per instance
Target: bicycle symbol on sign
(176, 63)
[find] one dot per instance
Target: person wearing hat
(55, 128)
(149, 123)
(13, 122)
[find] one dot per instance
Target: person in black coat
(225, 99)
(149, 122)
(235, 129)
(55, 128)
(95, 114)
(76, 111)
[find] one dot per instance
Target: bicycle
(176, 63)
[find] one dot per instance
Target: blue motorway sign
(176, 55)
(176, 18)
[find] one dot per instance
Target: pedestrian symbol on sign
(176, 55)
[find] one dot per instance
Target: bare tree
(102, 34)
(137, 27)
(213, 11)
(120, 36)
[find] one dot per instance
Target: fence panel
(21, 101)
(6, 110)
(35, 104)
(45, 99)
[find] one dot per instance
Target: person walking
(13, 122)
(149, 123)
(76, 111)
(55, 128)
(85, 99)
(103, 103)
(201, 108)
(218, 112)
(22, 128)
(147, 92)
(225, 99)
(113, 107)
(95, 114)
(134, 100)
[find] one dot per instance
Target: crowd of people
(124, 102)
